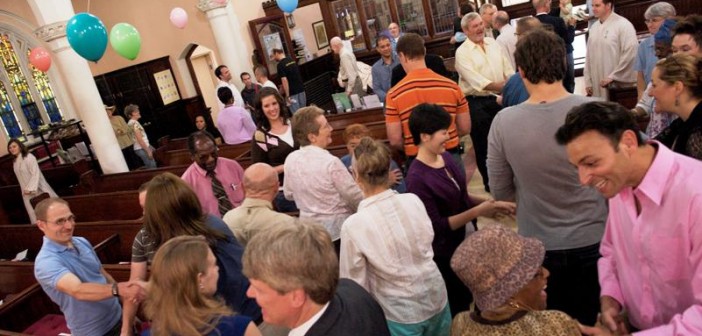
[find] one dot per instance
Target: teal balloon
(87, 35)
(125, 40)
(287, 6)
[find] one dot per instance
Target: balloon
(87, 35)
(179, 17)
(287, 6)
(125, 40)
(40, 59)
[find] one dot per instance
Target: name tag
(272, 141)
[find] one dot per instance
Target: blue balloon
(287, 6)
(87, 35)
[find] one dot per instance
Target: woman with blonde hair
(181, 293)
(677, 87)
(386, 248)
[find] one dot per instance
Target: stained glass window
(19, 82)
(41, 80)
(7, 115)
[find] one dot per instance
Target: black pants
(482, 112)
(573, 286)
(459, 296)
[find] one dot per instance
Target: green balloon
(125, 40)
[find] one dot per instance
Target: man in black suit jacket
(566, 32)
(294, 276)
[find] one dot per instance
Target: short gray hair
(485, 6)
(660, 9)
(129, 109)
(468, 18)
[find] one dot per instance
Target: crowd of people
(608, 239)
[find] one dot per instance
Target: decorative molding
(208, 5)
(51, 31)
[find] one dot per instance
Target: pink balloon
(179, 17)
(40, 58)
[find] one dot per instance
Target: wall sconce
(290, 20)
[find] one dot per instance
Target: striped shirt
(424, 86)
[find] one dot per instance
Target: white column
(227, 37)
(52, 16)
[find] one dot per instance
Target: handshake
(132, 291)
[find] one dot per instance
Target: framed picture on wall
(320, 34)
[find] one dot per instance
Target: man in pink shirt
(215, 180)
(651, 265)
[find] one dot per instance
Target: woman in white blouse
(316, 180)
(31, 180)
(386, 248)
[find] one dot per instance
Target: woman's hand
(492, 208)
(394, 177)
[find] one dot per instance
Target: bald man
(256, 213)
(508, 37)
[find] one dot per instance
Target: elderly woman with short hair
(316, 180)
(646, 58)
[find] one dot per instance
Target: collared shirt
(236, 125)
(382, 76)
(394, 262)
(135, 125)
(302, 329)
(348, 68)
(321, 187)
(646, 58)
(652, 262)
(478, 67)
(82, 317)
(238, 100)
(270, 84)
(228, 171)
(253, 216)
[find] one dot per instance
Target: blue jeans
(573, 286)
(148, 163)
(299, 100)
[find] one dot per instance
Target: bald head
(527, 24)
(336, 44)
(261, 181)
(500, 20)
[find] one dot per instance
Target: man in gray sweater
(526, 165)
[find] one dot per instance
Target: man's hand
(588, 91)
(605, 82)
(611, 317)
(134, 291)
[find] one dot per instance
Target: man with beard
(215, 180)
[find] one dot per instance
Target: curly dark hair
(259, 117)
(607, 118)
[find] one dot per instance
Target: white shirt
(321, 187)
(270, 84)
(478, 67)
(508, 41)
(386, 248)
(302, 329)
(238, 100)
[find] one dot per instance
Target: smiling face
(394, 30)
(685, 44)
(384, 48)
(270, 107)
(533, 294)
(14, 148)
(435, 143)
(205, 154)
(323, 137)
(664, 92)
(276, 308)
(59, 223)
(600, 165)
(475, 31)
(208, 280)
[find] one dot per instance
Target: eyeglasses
(63, 221)
(654, 20)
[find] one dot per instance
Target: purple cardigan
(442, 200)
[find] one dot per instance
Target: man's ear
(298, 297)
(41, 225)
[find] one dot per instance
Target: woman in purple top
(439, 183)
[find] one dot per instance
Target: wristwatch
(115, 290)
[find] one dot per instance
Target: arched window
(21, 86)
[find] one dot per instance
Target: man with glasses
(70, 273)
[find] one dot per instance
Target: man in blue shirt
(70, 273)
(382, 69)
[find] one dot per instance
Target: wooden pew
(342, 120)
(182, 156)
(93, 182)
(12, 210)
(17, 238)
(118, 205)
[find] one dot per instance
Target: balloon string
(88, 6)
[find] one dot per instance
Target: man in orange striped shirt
(421, 85)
